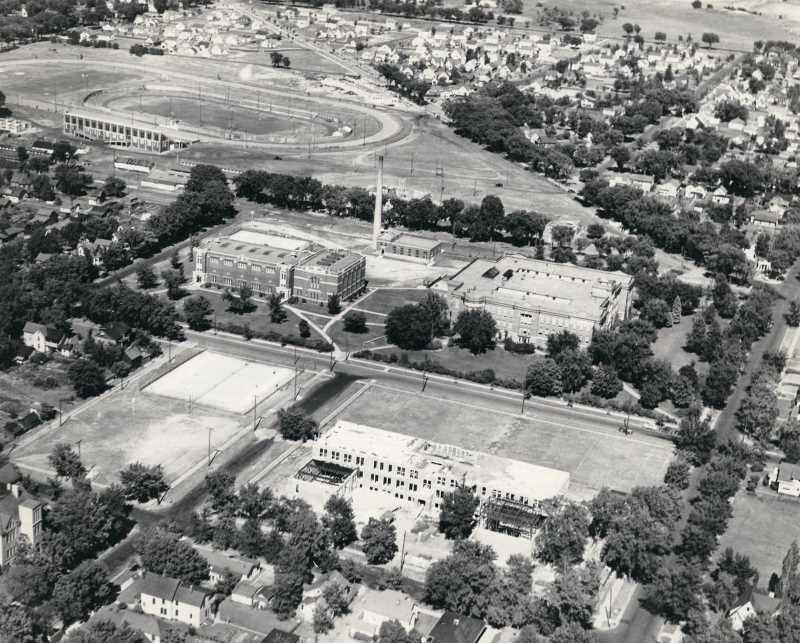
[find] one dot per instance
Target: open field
(736, 29)
(356, 341)
(258, 320)
(302, 59)
(134, 426)
(763, 526)
(503, 363)
(223, 382)
(594, 459)
(384, 300)
(44, 81)
(670, 342)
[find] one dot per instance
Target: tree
(543, 377)
(254, 502)
(435, 308)
(66, 462)
(793, 315)
(476, 330)
(334, 304)
(409, 327)
(106, 631)
(457, 513)
(379, 541)
(621, 155)
(18, 626)
(695, 436)
(355, 322)
(164, 553)
(572, 633)
(338, 520)
(304, 329)
(28, 583)
(335, 598)
(709, 38)
(759, 409)
(563, 536)
(322, 621)
(87, 378)
(220, 487)
(576, 369)
(197, 311)
(240, 302)
(677, 474)
(573, 594)
(675, 591)
(562, 341)
(146, 277)
(251, 540)
(71, 181)
(294, 424)
(277, 314)
(114, 187)
(79, 592)
(606, 382)
(461, 582)
(142, 483)
(394, 632)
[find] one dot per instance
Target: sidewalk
(615, 595)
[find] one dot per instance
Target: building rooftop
(515, 280)
(389, 603)
(413, 241)
(253, 251)
(477, 468)
(159, 586)
(128, 119)
(272, 240)
(457, 628)
(330, 261)
(788, 472)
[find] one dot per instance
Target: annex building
(419, 473)
(123, 131)
(410, 247)
(530, 299)
(270, 263)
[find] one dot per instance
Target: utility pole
(209, 446)
(523, 387)
(255, 403)
(78, 444)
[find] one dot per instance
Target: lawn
(505, 365)
(384, 300)
(763, 526)
(593, 458)
(356, 341)
(258, 320)
(670, 342)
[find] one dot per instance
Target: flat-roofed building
(119, 130)
(330, 272)
(411, 248)
(419, 472)
(531, 299)
(130, 164)
(269, 263)
(228, 263)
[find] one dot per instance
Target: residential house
(20, 516)
(668, 190)
(766, 218)
(147, 624)
(94, 250)
(41, 338)
(171, 599)
(695, 192)
(749, 604)
(788, 479)
(219, 563)
(720, 196)
(457, 628)
(372, 608)
(312, 595)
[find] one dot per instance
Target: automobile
(499, 184)
(277, 158)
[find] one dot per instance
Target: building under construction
(419, 473)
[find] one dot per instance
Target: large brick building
(531, 299)
(274, 264)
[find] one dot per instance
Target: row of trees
(483, 222)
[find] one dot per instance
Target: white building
(420, 472)
(168, 598)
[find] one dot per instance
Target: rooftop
(477, 468)
(331, 261)
(788, 472)
(413, 241)
(271, 240)
(457, 628)
(515, 280)
(253, 251)
(129, 119)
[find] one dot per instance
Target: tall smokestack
(377, 219)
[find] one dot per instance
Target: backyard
(763, 526)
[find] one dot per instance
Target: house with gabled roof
(171, 599)
(40, 337)
(20, 517)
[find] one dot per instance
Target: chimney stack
(377, 219)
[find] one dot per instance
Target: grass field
(504, 364)
(51, 80)
(384, 300)
(670, 342)
(258, 320)
(763, 526)
(301, 59)
(356, 341)
(134, 426)
(593, 459)
(223, 382)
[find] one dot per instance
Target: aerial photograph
(399, 321)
